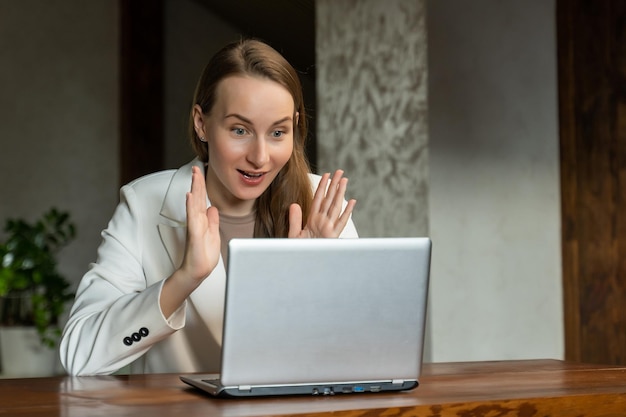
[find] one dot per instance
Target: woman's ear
(198, 122)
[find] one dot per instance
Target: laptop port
(346, 390)
(375, 388)
(359, 389)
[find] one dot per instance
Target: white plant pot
(22, 355)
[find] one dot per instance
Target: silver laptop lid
(301, 311)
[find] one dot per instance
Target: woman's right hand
(202, 251)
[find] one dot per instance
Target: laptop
(322, 317)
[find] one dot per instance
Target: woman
(154, 298)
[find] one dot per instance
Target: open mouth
(250, 175)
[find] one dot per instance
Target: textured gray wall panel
(372, 109)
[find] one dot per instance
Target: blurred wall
(372, 109)
(492, 191)
(59, 116)
(495, 220)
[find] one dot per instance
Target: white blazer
(116, 318)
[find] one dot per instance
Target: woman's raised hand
(202, 251)
(327, 217)
(203, 237)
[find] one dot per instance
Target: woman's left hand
(327, 217)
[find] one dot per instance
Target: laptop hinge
(245, 388)
(397, 381)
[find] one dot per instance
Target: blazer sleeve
(116, 315)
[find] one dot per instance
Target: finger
(320, 192)
(295, 220)
(338, 199)
(331, 192)
(213, 217)
(342, 221)
(196, 204)
(198, 190)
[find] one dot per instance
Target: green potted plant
(32, 291)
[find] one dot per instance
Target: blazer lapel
(173, 239)
(173, 226)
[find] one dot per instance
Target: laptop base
(208, 384)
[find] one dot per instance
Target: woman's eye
(277, 133)
(239, 131)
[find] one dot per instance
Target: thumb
(213, 217)
(295, 220)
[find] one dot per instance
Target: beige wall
(494, 180)
(59, 116)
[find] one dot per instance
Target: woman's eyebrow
(246, 120)
(238, 116)
(283, 120)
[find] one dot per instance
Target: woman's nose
(258, 155)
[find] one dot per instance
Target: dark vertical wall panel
(141, 107)
(592, 95)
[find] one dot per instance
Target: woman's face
(249, 132)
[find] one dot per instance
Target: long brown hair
(291, 185)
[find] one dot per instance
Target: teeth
(249, 175)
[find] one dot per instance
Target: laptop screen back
(302, 311)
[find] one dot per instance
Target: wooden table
(535, 388)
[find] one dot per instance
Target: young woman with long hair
(154, 297)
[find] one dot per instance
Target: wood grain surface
(534, 388)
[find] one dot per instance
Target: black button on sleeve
(136, 337)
